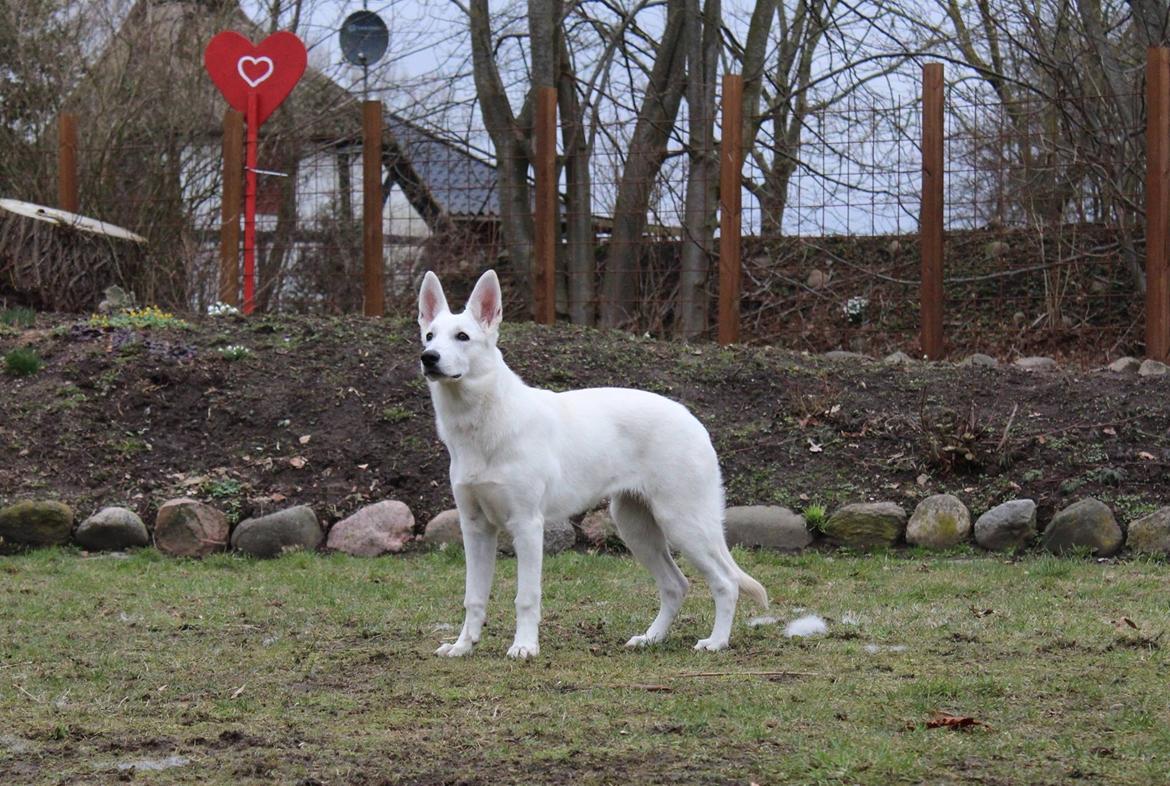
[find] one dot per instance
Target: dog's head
(458, 345)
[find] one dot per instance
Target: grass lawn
(317, 669)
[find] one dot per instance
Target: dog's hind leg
(646, 542)
(699, 536)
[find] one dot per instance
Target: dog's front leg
(479, 549)
(528, 540)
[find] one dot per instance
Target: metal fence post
(373, 287)
(544, 234)
(730, 169)
(233, 194)
(930, 226)
(68, 197)
(1157, 203)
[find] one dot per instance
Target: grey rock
(444, 529)
(841, 354)
(1038, 363)
(898, 359)
(558, 536)
(382, 528)
(1087, 523)
(939, 522)
(599, 532)
(817, 279)
(36, 523)
(1125, 365)
(979, 359)
(113, 529)
(1007, 527)
(1153, 368)
(188, 528)
(293, 529)
(1151, 534)
(866, 525)
(766, 526)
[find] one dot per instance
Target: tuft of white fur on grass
(756, 622)
(808, 625)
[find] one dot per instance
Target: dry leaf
(305, 439)
(981, 612)
(1124, 622)
(813, 447)
(298, 462)
(1144, 456)
(945, 720)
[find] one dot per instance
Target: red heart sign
(270, 69)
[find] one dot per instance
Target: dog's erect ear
(486, 303)
(431, 300)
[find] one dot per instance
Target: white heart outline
(255, 60)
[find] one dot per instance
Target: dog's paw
(455, 649)
(523, 651)
(711, 645)
(644, 640)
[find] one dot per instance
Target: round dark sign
(364, 38)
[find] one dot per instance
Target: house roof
(149, 77)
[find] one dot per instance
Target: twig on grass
(26, 693)
(749, 674)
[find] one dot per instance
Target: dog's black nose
(430, 358)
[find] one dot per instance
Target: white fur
(808, 625)
(521, 456)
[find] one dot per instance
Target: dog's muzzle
(430, 366)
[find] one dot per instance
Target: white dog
(521, 456)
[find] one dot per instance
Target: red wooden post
(544, 230)
(373, 287)
(233, 196)
(730, 209)
(252, 120)
(1158, 203)
(67, 192)
(930, 222)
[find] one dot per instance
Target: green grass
(319, 667)
(22, 362)
(18, 317)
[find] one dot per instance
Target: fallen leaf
(813, 447)
(298, 462)
(981, 612)
(945, 720)
(236, 693)
(1124, 622)
(304, 440)
(1110, 431)
(1144, 456)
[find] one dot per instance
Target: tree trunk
(512, 142)
(702, 39)
(580, 265)
(647, 152)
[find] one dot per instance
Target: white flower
(218, 309)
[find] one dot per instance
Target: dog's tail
(754, 589)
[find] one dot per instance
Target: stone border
(189, 528)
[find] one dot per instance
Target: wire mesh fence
(1044, 221)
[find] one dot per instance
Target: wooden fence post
(233, 195)
(373, 289)
(544, 235)
(68, 197)
(730, 209)
(930, 222)
(1157, 203)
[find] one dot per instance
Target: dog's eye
(461, 336)
(430, 336)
